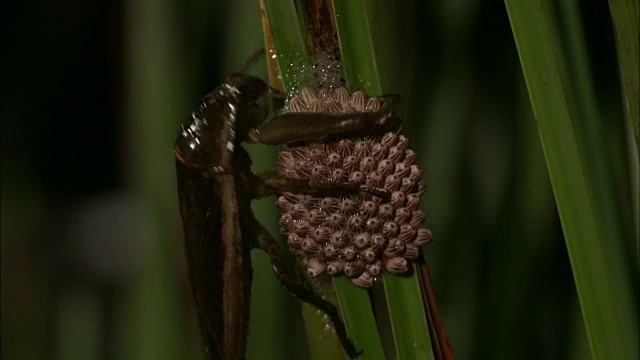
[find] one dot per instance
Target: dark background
(93, 93)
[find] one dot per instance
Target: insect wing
(236, 282)
(200, 212)
(220, 288)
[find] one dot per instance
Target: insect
(216, 187)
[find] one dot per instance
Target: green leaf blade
(356, 46)
(584, 196)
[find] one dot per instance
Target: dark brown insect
(216, 187)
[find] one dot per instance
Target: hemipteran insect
(216, 187)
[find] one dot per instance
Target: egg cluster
(360, 235)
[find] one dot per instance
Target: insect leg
(266, 242)
(271, 184)
(294, 126)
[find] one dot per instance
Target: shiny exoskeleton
(216, 187)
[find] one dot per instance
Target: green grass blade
(624, 14)
(358, 57)
(408, 320)
(404, 297)
(292, 52)
(585, 195)
(358, 317)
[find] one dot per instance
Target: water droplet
(419, 346)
